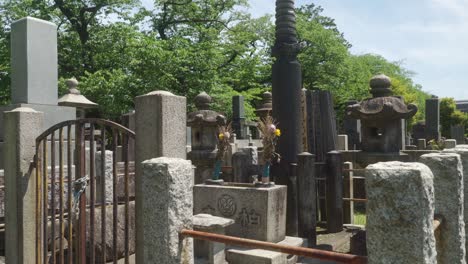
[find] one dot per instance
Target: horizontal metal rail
(291, 250)
(355, 200)
(352, 170)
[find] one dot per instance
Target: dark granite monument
(287, 84)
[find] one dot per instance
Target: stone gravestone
(432, 119)
(352, 128)
(457, 132)
(34, 71)
(238, 117)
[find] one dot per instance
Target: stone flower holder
(259, 213)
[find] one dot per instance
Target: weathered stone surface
(400, 211)
(448, 190)
(450, 143)
(421, 144)
(259, 213)
(105, 179)
(34, 61)
(462, 150)
(22, 126)
(259, 256)
(342, 142)
(211, 252)
(167, 207)
(99, 246)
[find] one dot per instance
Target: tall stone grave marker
(286, 86)
(238, 117)
(34, 71)
(432, 118)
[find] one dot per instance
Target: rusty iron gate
(73, 194)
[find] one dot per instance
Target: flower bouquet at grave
(223, 144)
(270, 135)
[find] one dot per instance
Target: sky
(429, 36)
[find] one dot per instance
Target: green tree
(450, 116)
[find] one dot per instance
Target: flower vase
(217, 170)
(266, 173)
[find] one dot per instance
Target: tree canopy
(118, 49)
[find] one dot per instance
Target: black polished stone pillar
(287, 84)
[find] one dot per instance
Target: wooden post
(307, 198)
(334, 192)
(348, 192)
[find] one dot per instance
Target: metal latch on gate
(80, 186)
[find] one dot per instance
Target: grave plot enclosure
(84, 202)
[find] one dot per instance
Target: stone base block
(259, 213)
(260, 256)
(53, 114)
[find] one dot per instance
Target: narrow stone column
(432, 118)
(334, 192)
(400, 213)
(22, 126)
(167, 208)
(463, 152)
(307, 198)
(160, 123)
(448, 191)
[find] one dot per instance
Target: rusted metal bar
(45, 201)
(92, 180)
(115, 200)
(80, 172)
(62, 219)
(103, 192)
(355, 200)
(69, 194)
(52, 194)
(38, 161)
(292, 250)
(127, 197)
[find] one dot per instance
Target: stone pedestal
(210, 252)
(22, 126)
(166, 208)
(462, 150)
(448, 188)
(400, 213)
(260, 256)
(259, 213)
(450, 143)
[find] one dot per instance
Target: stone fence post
(400, 213)
(167, 204)
(160, 129)
(463, 152)
(448, 191)
(307, 198)
(22, 126)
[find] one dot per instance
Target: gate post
(22, 126)
(161, 131)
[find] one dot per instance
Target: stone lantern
(204, 124)
(265, 107)
(381, 116)
(75, 99)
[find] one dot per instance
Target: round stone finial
(381, 85)
(203, 101)
(72, 85)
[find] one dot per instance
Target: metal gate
(83, 209)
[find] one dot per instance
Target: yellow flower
(277, 132)
(221, 136)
